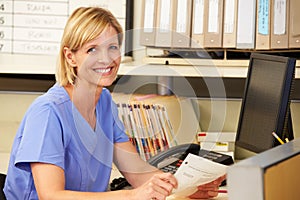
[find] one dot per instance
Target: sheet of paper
(194, 171)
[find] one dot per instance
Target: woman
(70, 136)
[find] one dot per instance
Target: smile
(106, 70)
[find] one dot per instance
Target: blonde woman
(71, 135)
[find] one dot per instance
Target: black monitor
(265, 105)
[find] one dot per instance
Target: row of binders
(240, 24)
(148, 127)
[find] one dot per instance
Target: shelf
(144, 69)
(30, 64)
(191, 68)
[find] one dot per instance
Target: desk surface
(219, 197)
(115, 174)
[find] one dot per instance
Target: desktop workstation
(265, 109)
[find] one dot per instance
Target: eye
(114, 47)
(91, 50)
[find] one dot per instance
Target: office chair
(2, 181)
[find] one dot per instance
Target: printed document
(195, 171)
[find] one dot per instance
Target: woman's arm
(148, 181)
(49, 181)
(130, 164)
(139, 172)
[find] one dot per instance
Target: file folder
(197, 40)
(294, 32)
(182, 24)
(246, 24)
(230, 23)
(165, 9)
(214, 27)
(147, 33)
(279, 24)
(263, 20)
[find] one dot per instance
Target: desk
(221, 196)
(4, 160)
(115, 174)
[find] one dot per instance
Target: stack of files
(223, 142)
(148, 127)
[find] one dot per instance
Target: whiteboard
(30, 31)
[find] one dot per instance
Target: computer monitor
(265, 105)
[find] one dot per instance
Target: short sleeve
(41, 139)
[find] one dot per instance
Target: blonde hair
(84, 25)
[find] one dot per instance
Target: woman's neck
(85, 100)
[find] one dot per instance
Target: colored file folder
(263, 21)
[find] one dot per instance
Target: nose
(103, 57)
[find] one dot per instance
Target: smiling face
(97, 62)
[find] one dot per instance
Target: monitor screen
(265, 105)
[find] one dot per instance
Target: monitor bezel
(283, 117)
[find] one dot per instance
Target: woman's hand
(208, 190)
(158, 187)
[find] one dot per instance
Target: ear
(70, 58)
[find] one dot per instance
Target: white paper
(195, 171)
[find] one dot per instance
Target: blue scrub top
(53, 131)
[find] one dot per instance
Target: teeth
(103, 70)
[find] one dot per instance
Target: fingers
(208, 190)
(204, 194)
(164, 183)
(157, 187)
